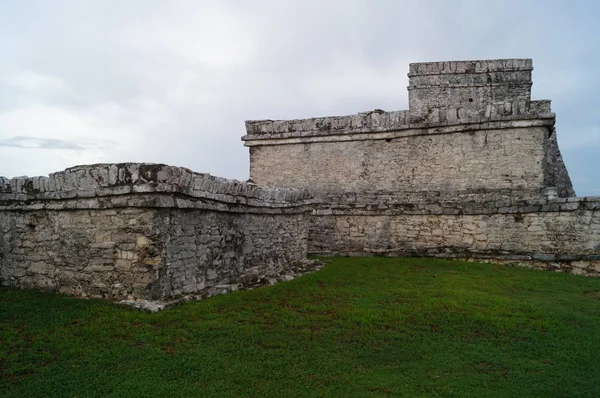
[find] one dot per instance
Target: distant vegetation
(359, 327)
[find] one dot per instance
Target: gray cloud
(35, 142)
(173, 82)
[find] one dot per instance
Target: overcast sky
(173, 81)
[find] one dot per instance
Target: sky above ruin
(173, 81)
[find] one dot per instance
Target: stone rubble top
(473, 66)
(382, 121)
(126, 178)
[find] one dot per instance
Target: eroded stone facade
(145, 231)
(453, 161)
(552, 234)
(471, 170)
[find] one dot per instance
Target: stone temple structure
(471, 170)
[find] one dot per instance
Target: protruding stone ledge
(426, 203)
(156, 183)
(472, 66)
(158, 200)
(437, 120)
(419, 85)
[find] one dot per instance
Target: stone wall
(489, 158)
(508, 145)
(560, 234)
(144, 231)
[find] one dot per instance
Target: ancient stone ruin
(145, 231)
(471, 170)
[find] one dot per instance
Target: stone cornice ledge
(156, 200)
(588, 203)
(379, 124)
(369, 134)
(108, 185)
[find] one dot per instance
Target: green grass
(360, 327)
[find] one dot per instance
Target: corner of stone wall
(144, 231)
(556, 172)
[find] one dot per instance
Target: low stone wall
(558, 234)
(144, 231)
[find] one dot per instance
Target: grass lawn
(360, 327)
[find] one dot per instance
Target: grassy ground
(360, 327)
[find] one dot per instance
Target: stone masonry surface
(471, 170)
(470, 85)
(556, 234)
(144, 231)
(453, 161)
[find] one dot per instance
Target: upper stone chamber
(470, 85)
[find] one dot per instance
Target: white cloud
(210, 36)
(380, 87)
(87, 126)
(32, 82)
(44, 161)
